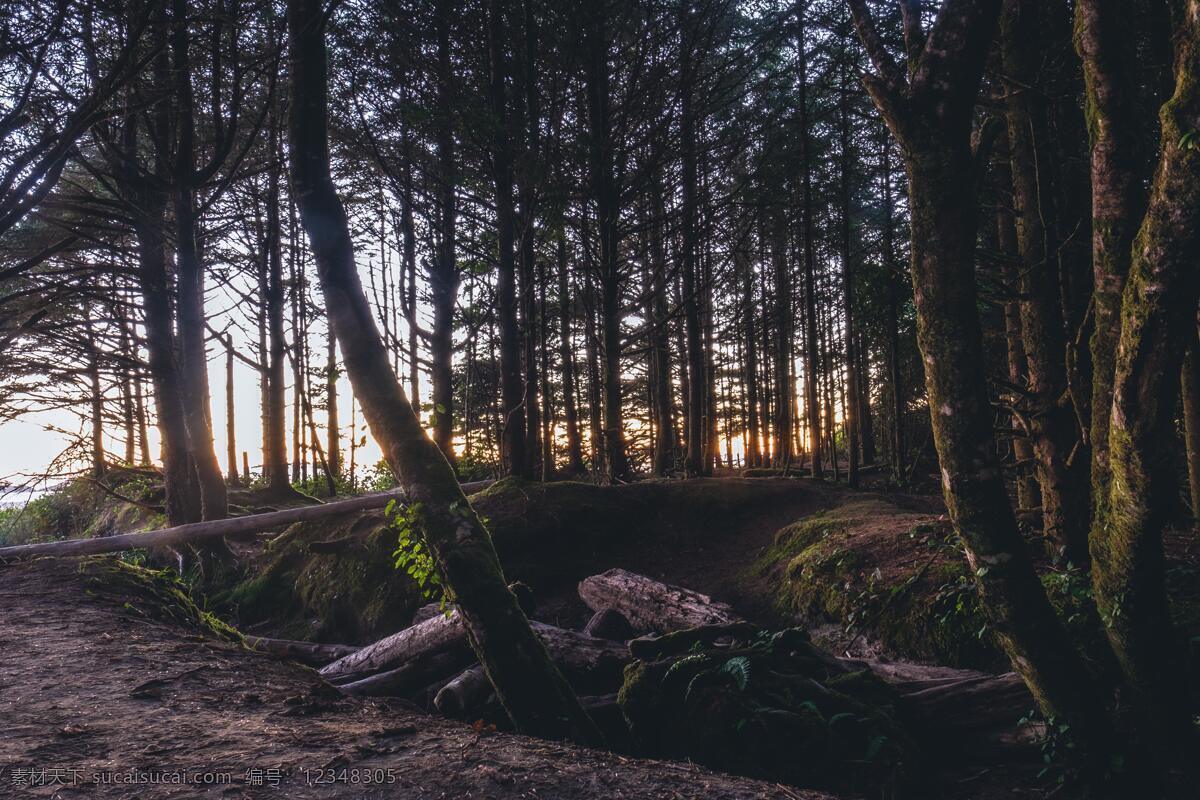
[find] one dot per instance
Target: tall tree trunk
(516, 461)
(179, 477)
(929, 109)
(662, 402)
(1158, 322)
(1029, 495)
(749, 324)
(694, 461)
(231, 456)
(333, 428)
(811, 351)
(182, 494)
(275, 460)
(852, 421)
(606, 194)
(866, 421)
(566, 305)
(95, 395)
(527, 217)
(444, 277)
(125, 379)
(193, 364)
(595, 401)
(1104, 40)
(1051, 417)
(530, 687)
(781, 268)
(894, 287)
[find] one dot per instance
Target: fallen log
(412, 676)
(466, 691)
(431, 635)
(609, 624)
(590, 665)
(434, 635)
(310, 653)
(234, 527)
(586, 662)
(651, 605)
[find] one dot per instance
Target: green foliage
(378, 478)
(765, 704)
(412, 553)
(33, 521)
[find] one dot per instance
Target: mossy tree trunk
(1108, 52)
(534, 693)
(1158, 318)
(929, 109)
(1051, 414)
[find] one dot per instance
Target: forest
(600, 398)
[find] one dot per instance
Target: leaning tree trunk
(1158, 318)
(530, 687)
(929, 109)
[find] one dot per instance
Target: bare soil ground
(90, 689)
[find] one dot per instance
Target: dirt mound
(885, 568)
(335, 579)
(95, 692)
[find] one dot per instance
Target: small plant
(412, 553)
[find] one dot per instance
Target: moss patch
(153, 594)
(885, 572)
(332, 579)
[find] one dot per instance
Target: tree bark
(333, 428)
(1051, 417)
(566, 305)
(529, 686)
(895, 280)
(1107, 49)
(606, 195)
(275, 460)
(193, 354)
(650, 605)
(852, 421)
(527, 220)
(811, 350)
(1029, 495)
(231, 458)
(929, 109)
(444, 275)
(516, 461)
(1158, 319)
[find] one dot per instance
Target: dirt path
(89, 689)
